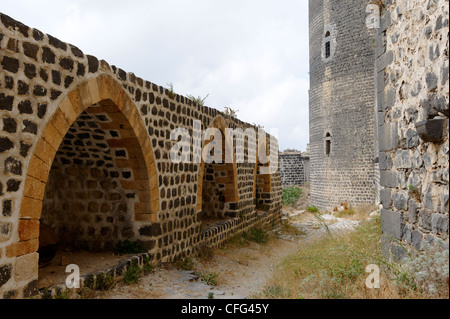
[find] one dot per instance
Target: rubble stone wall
(412, 68)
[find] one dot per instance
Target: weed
(230, 112)
(104, 282)
(414, 192)
(257, 235)
(276, 292)
(148, 266)
(323, 223)
(62, 295)
(46, 294)
(128, 247)
(235, 241)
(131, 276)
(290, 195)
(288, 228)
(205, 252)
(184, 263)
(199, 100)
(210, 278)
(171, 93)
(312, 209)
(211, 295)
(334, 267)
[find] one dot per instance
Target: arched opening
(92, 178)
(95, 187)
(217, 194)
(263, 182)
(328, 43)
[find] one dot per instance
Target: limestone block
(26, 268)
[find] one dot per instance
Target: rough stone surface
(85, 148)
(392, 223)
(341, 104)
(294, 168)
(418, 76)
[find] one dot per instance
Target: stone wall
(85, 147)
(341, 98)
(412, 109)
(294, 168)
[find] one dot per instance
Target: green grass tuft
(290, 195)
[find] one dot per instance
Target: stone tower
(342, 102)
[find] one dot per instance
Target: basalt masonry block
(434, 130)
(392, 223)
(414, 133)
(5, 274)
(294, 168)
(85, 149)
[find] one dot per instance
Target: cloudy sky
(250, 55)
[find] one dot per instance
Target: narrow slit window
(328, 144)
(327, 50)
(327, 45)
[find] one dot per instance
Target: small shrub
(62, 295)
(104, 282)
(235, 241)
(128, 247)
(290, 195)
(46, 294)
(184, 263)
(258, 235)
(312, 209)
(276, 292)
(230, 112)
(148, 266)
(171, 93)
(210, 295)
(131, 276)
(428, 270)
(205, 252)
(210, 278)
(199, 100)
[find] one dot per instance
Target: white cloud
(246, 54)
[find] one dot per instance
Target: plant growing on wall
(414, 192)
(199, 100)
(171, 91)
(230, 112)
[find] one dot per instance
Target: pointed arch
(232, 189)
(109, 93)
(264, 181)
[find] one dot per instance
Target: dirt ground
(241, 273)
(241, 269)
(54, 273)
